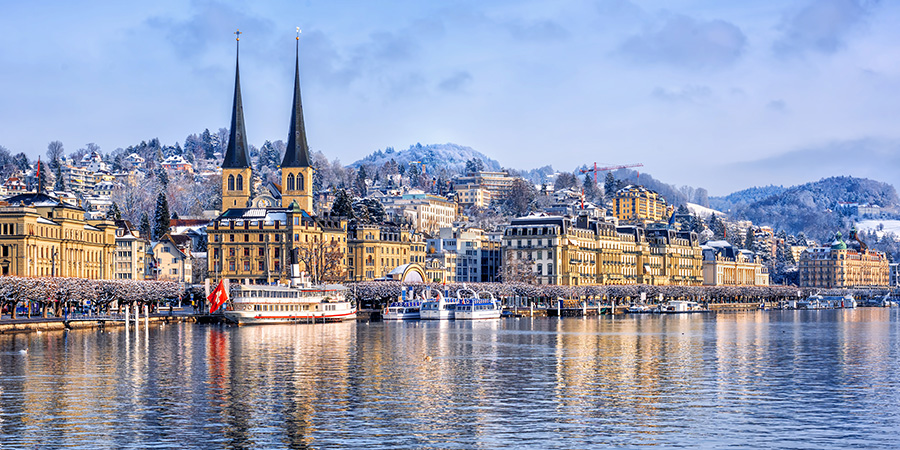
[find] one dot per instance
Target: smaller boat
(477, 307)
(638, 309)
(439, 308)
(681, 306)
(402, 311)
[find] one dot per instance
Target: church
(253, 240)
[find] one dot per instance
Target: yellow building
(584, 251)
(131, 252)
(636, 204)
(43, 236)
(843, 265)
(376, 249)
(725, 265)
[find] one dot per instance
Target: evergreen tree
(750, 239)
(360, 183)
(145, 226)
(60, 184)
(114, 213)
(717, 226)
(163, 178)
(343, 204)
(609, 186)
(161, 217)
(591, 191)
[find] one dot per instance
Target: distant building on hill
(639, 205)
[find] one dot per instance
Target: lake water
(780, 379)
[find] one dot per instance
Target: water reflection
(793, 379)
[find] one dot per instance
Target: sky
(713, 94)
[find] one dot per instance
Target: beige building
(377, 249)
(43, 236)
(584, 251)
(131, 252)
(170, 261)
(441, 267)
(473, 196)
(497, 185)
(636, 204)
(843, 264)
(724, 265)
(429, 212)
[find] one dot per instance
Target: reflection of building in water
(304, 369)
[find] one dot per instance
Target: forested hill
(450, 157)
(744, 197)
(813, 207)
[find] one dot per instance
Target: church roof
(297, 152)
(237, 155)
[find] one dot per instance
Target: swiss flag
(217, 297)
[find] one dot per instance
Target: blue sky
(722, 95)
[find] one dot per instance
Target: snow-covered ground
(890, 226)
(702, 211)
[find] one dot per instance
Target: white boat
(261, 304)
(638, 309)
(681, 306)
(402, 311)
(440, 308)
(818, 301)
(477, 307)
(299, 302)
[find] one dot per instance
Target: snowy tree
(114, 213)
(55, 151)
(343, 204)
(591, 190)
(161, 217)
(565, 180)
(360, 184)
(60, 184)
(520, 199)
(145, 229)
(609, 186)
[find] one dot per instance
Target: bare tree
(323, 261)
(54, 153)
(516, 270)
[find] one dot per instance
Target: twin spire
(237, 154)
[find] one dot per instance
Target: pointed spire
(237, 155)
(297, 152)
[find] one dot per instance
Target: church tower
(296, 173)
(236, 170)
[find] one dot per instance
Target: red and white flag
(217, 298)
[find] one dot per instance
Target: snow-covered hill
(702, 211)
(451, 157)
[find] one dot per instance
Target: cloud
(870, 158)
(455, 82)
(192, 37)
(541, 31)
(689, 94)
(822, 26)
(685, 42)
(777, 105)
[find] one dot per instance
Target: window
(231, 252)
(246, 266)
(261, 239)
(262, 266)
(174, 260)
(290, 182)
(230, 238)
(240, 182)
(300, 182)
(262, 252)
(246, 238)
(230, 182)
(247, 251)
(231, 266)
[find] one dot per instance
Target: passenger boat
(298, 302)
(439, 308)
(306, 303)
(408, 308)
(402, 311)
(477, 307)
(681, 306)
(638, 309)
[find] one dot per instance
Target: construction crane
(603, 169)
